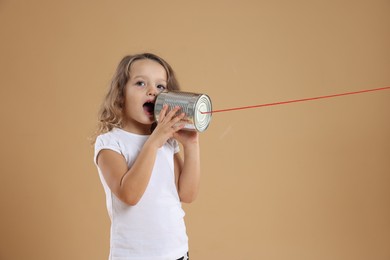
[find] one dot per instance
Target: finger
(177, 127)
(163, 112)
(172, 114)
(178, 124)
(178, 118)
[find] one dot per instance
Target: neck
(137, 128)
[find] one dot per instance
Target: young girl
(143, 175)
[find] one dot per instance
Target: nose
(152, 91)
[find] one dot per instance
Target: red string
(297, 100)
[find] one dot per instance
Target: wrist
(151, 144)
(189, 146)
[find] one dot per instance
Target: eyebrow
(143, 77)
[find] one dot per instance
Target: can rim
(198, 125)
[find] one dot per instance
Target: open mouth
(149, 107)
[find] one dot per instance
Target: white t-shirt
(154, 229)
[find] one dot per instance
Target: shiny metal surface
(192, 104)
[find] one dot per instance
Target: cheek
(130, 102)
(127, 98)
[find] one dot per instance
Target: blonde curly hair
(111, 111)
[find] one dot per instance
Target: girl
(143, 175)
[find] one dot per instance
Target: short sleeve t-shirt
(154, 228)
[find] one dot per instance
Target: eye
(140, 83)
(161, 87)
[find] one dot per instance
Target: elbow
(128, 196)
(188, 198)
(187, 201)
(130, 200)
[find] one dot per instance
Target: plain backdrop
(300, 181)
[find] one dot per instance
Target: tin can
(197, 108)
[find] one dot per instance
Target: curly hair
(111, 111)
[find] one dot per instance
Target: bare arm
(188, 170)
(129, 185)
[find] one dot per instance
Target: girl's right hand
(167, 126)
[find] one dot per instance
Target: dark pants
(183, 257)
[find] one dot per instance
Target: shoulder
(122, 142)
(111, 140)
(108, 139)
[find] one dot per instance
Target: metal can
(197, 108)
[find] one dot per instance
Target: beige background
(301, 181)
